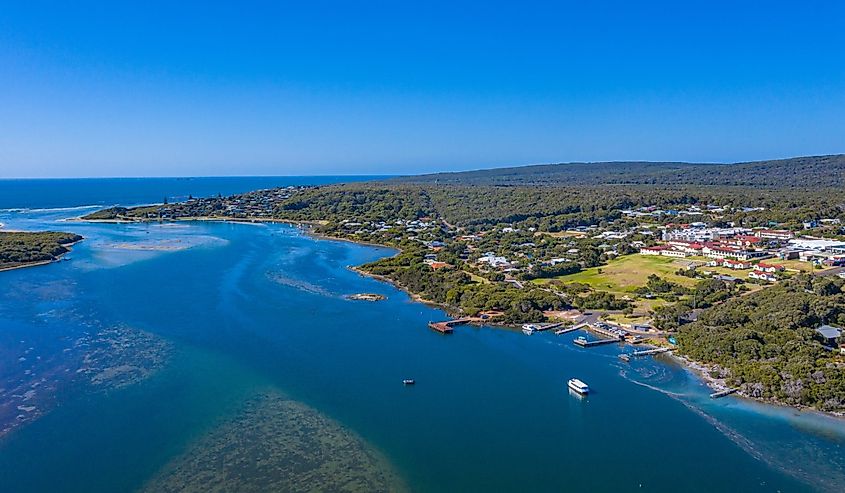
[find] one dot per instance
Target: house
(766, 267)
(736, 264)
(494, 261)
(763, 276)
(829, 334)
(437, 265)
(653, 250)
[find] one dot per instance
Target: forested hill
(816, 171)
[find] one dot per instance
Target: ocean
(200, 355)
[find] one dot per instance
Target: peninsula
(25, 249)
(740, 265)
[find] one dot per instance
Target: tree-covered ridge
(21, 248)
(821, 171)
(766, 341)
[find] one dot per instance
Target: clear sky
(313, 87)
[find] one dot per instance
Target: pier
(585, 343)
(722, 393)
(651, 351)
(447, 326)
(567, 330)
(545, 327)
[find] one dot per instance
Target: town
(640, 269)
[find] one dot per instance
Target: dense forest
(767, 343)
(549, 208)
(821, 171)
(21, 248)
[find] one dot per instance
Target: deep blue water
(51, 193)
(255, 305)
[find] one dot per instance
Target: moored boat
(529, 329)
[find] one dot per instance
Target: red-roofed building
(765, 267)
(763, 276)
(736, 264)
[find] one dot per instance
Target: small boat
(578, 386)
(529, 329)
(409, 381)
(625, 357)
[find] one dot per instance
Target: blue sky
(270, 88)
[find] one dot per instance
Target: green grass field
(622, 275)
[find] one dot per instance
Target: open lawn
(624, 274)
(796, 265)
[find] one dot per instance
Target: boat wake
(624, 374)
(822, 472)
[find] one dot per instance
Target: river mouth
(261, 339)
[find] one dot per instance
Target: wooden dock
(651, 351)
(442, 327)
(447, 326)
(722, 393)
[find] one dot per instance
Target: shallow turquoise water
(255, 305)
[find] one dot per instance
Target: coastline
(124, 220)
(699, 369)
(702, 372)
(39, 263)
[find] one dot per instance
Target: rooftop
(829, 331)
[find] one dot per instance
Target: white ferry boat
(579, 386)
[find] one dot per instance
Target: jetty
(447, 326)
(567, 330)
(545, 327)
(651, 351)
(583, 342)
(722, 393)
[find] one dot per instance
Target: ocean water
(139, 359)
(55, 193)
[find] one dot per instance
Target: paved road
(830, 272)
